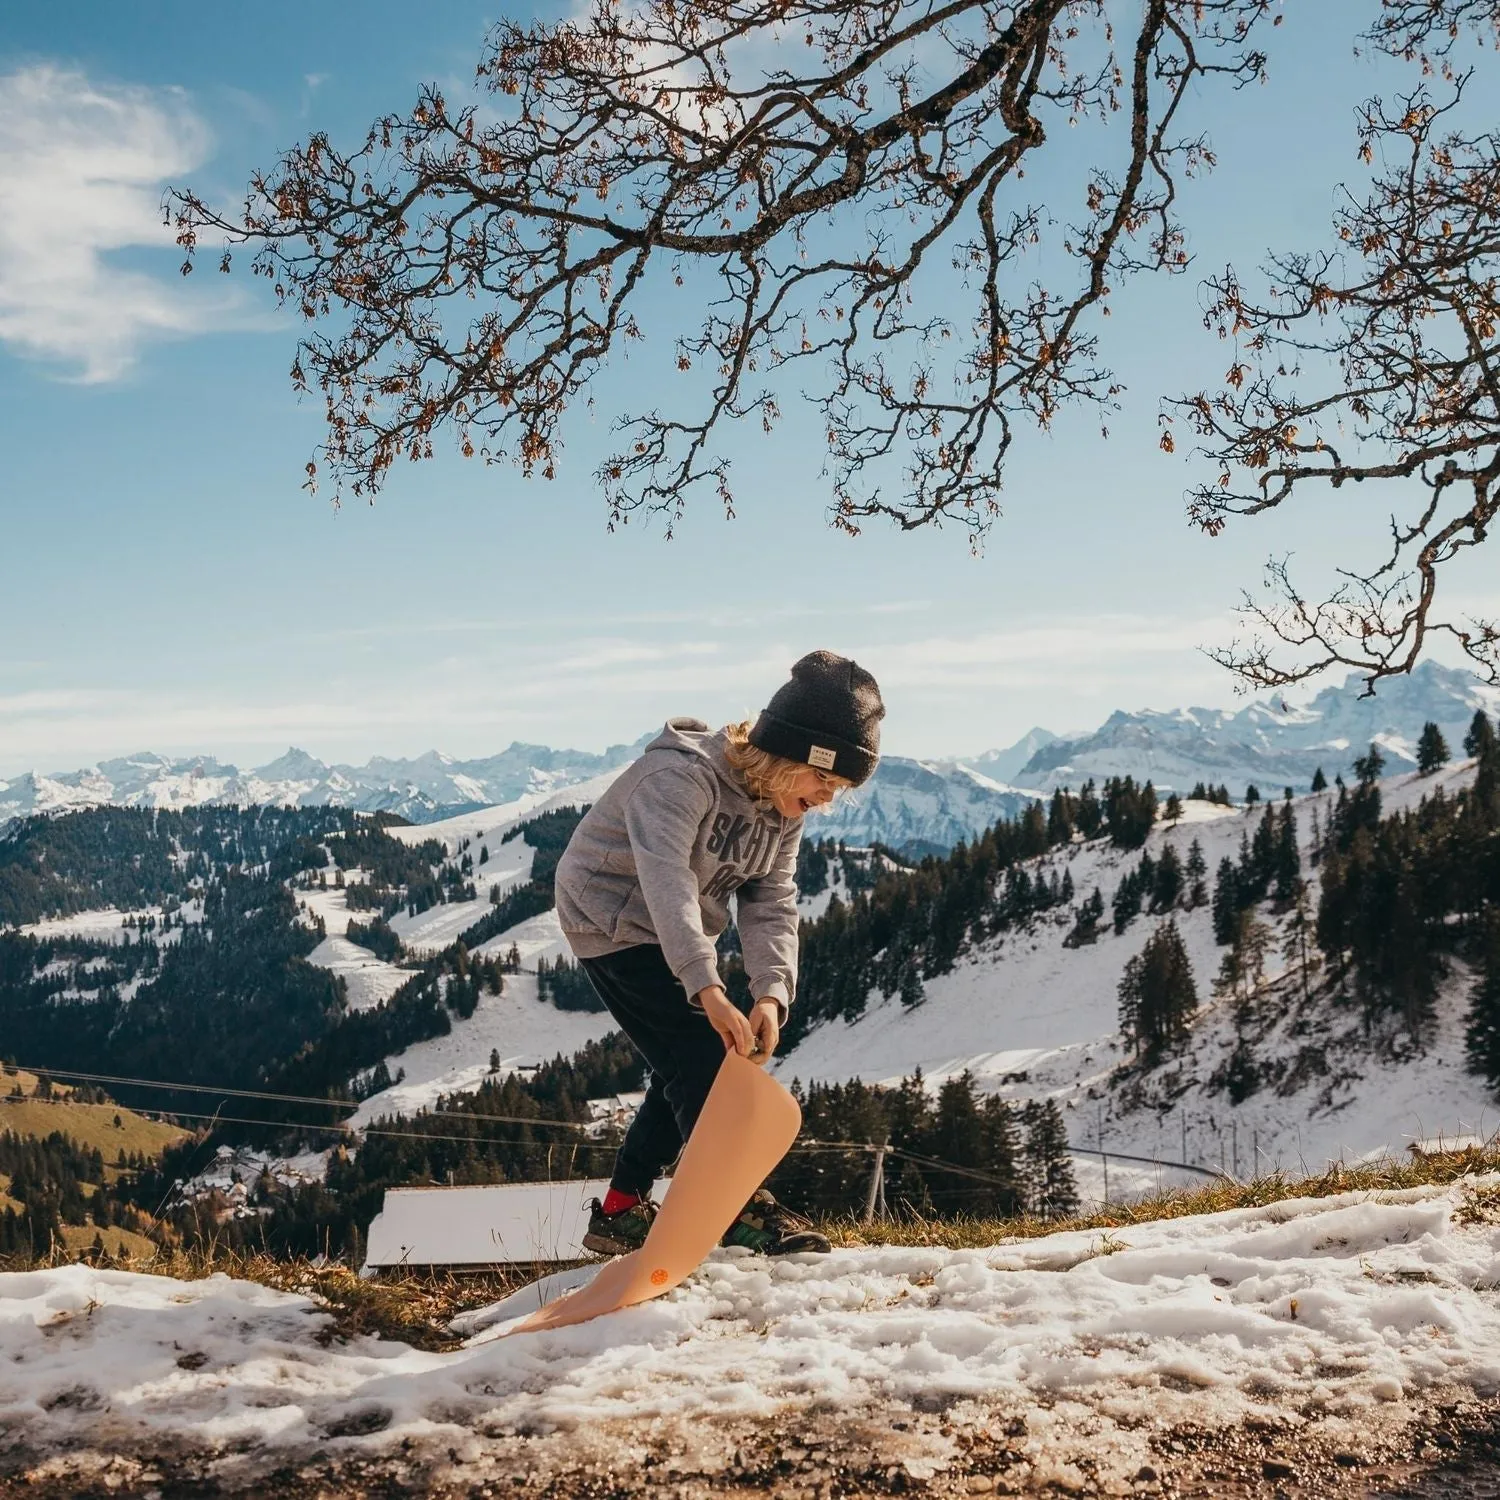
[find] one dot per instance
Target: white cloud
(82, 170)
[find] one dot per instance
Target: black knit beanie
(827, 716)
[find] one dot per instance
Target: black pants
(681, 1049)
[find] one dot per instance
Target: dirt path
(1443, 1451)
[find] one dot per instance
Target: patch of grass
(91, 1125)
(120, 1244)
(1423, 1169)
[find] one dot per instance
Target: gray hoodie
(657, 857)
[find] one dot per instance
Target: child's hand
(727, 1020)
(765, 1022)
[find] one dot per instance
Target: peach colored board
(748, 1123)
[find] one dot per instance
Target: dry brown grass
(121, 1244)
(1423, 1169)
(91, 1125)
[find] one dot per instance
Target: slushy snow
(1303, 1310)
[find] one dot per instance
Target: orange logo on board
(658, 1277)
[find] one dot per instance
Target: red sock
(616, 1202)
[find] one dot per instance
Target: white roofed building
(472, 1228)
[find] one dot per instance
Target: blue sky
(169, 585)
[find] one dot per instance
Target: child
(643, 892)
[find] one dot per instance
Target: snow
(370, 981)
(430, 931)
(1326, 1310)
(524, 1029)
(1033, 1019)
(489, 824)
(439, 926)
(514, 1223)
(106, 924)
(537, 937)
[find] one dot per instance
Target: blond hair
(765, 775)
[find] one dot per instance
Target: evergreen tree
(1167, 887)
(1480, 739)
(1319, 781)
(1367, 767)
(1226, 902)
(1173, 811)
(1051, 1191)
(912, 992)
(1089, 816)
(1129, 811)
(1061, 817)
(1196, 875)
(1287, 860)
(1157, 994)
(1243, 967)
(1086, 921)
(1258, 863)
(1252, 795)
(1127, 900)
(1483, 1031)
(1300, 948)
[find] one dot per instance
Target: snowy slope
(489, 824)
(1328, 1318)
(1031, 1018)
(524, 1029)
(106, 924)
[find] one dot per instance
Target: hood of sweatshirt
(694, 737)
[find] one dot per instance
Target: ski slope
(1328, 1318)
(490, 824)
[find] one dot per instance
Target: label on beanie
(822, 757)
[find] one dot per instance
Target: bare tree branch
(1378, 364)
(805, 175)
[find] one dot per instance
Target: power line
(583, 1127)
(405, 1135)
(349, 1104)
(343, 1127)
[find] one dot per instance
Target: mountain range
(1269, 742)
(915, 805)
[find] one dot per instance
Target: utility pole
(876, 1192)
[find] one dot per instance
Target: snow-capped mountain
(1006, 765)
(919, 806)
(427, 787)
(915, 805)
(1270, 742)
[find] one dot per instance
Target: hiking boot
(618, 1234)
(768, 1228)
